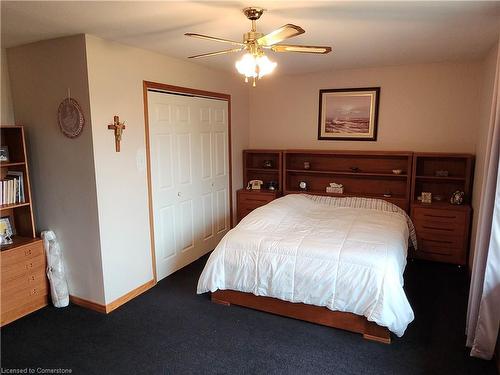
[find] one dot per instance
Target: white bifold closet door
(190, 177)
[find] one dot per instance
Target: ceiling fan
(254, 64)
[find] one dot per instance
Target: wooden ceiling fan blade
(278, 35)
(300, 49)
(216, 53)
(213, 38)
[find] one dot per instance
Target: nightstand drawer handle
(29, 265)
(441, 216)
(27, 252)
(434, 228)
(438, 241)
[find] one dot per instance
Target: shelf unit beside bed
(255, 168)
(362, 173)
(443, 229)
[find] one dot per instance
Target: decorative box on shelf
(335, 188)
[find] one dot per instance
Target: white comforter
(300, 250)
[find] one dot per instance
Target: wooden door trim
(195, 92)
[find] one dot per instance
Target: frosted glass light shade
(247, 65)
(265, 65)
(255, 66)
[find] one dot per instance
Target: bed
(332, 261)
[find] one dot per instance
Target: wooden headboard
(362, 173)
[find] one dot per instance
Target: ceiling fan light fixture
(247, 66)
(252, 66)
(265, 65)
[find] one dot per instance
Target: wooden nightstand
(442, 232)
(442, 228)
(249, 200)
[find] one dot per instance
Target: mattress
(333, 252)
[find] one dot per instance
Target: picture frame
(6, 226)
(426, 197)
(348, 114)
(4, 154)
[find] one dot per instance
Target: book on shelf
(12, 188)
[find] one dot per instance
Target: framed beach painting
(348, 114)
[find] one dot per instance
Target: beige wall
(116, 73)
(62, 169)
(482, 130)
(441, 107)
(423, 108)
(94, 198)
(6, 109)
(430, 107)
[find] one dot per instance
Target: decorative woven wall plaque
(70, 118)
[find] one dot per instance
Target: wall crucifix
(118, 128)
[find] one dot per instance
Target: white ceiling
(361, 33)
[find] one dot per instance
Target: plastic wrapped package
(55, 270)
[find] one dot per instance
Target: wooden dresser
(24, 283)
(24, 286)
(443, 229)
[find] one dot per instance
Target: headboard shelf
(352, 194)
(440, 178)
(397, 200)
(369, 174)
(350, 174)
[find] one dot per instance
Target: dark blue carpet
(171, 330)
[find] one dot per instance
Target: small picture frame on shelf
(4, 154)
(426, 197)
(7, 229)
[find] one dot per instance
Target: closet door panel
(208, 215)
(167, 233)
(189, 174)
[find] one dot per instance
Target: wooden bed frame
(310, 313)
(363, 173)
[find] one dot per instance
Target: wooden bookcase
(363, 173)
(24, 284)
(460, 169)
(21, 214)
(254, 169)
(443, 229)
